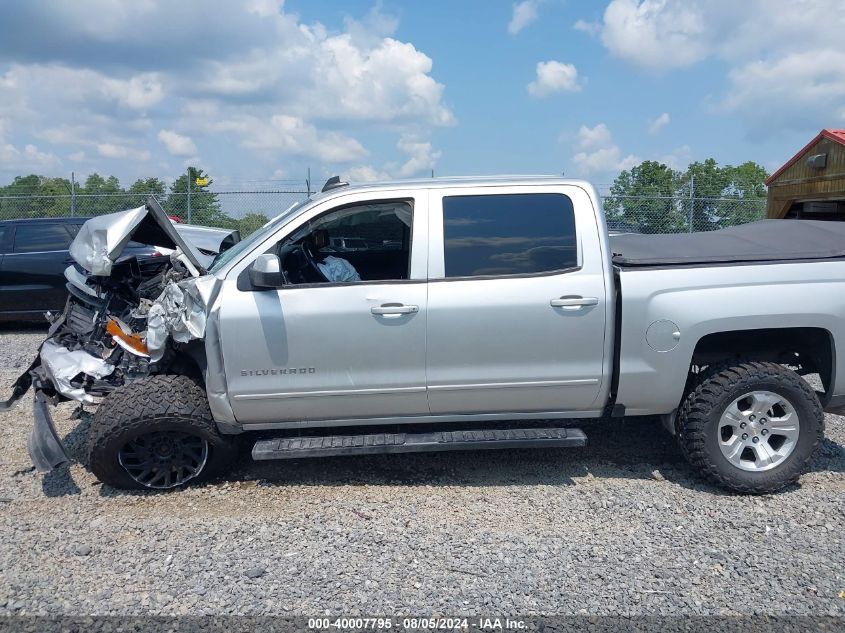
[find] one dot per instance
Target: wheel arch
(812, 349)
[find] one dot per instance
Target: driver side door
(321, 351)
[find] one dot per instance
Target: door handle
(391, 309)
(574, 301)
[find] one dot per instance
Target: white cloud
(524, 14)
(364, 173)
(656, 33)
(598, 154)
(29, 159)
(332, 78)
(283, 134)
(801, 88)
(554, 76)
(591, 28)
(784, 59)
(659, 123)
(249, 73)
(421, 156)
(177, 144)
(139, 92)
(112, 150)
(421, 160)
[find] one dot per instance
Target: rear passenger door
(32, 278)
(516, 308)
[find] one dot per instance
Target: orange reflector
(132, 342)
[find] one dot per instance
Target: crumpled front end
(126, 318)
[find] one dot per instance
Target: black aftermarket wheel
(156, 433)
(752, 427)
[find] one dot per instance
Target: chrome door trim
(334, 392)
(505, 385)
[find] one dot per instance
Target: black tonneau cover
(763, 241)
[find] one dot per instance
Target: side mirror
(266, 272)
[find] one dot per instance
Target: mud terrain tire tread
(163, 402)
(702, 408)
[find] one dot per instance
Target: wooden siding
(800, 182)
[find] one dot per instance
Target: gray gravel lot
(620, 527)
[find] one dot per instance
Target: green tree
(35, 197)
(54, 197)
(100, 195)
(154, 186)
(657, 199)
(205, 206)
(142, 188)
(251, 222)
(725, 195)
(645, 197)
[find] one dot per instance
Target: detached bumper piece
(381, 443)
(45, 447)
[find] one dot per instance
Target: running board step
(377, 443)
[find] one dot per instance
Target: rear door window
(508, 234)
(40, 237)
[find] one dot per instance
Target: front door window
(357, 243)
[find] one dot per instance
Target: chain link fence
(242, 210)
(249, 210)
(674, 214)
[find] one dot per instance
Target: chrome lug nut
(742, 425)
(745, 436)
(762, 420)
(752, 418)
(755, 439)
(764, 432)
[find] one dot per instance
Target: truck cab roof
(453, 181)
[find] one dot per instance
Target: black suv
(33, 258)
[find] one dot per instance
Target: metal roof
(837, 136)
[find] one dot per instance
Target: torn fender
(180, 312)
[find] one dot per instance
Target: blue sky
(259, 90)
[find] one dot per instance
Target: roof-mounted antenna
(333, 183)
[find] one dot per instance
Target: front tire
(751, 427)
(156, 434)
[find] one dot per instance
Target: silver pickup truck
(479, 313)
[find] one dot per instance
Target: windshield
(254, 238)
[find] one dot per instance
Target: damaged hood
(102, 239)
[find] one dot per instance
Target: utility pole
(189, 195)
(308, 182)
(72, 195)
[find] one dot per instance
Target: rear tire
(157, 434)
(751, 427)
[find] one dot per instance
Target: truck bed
(766, 241)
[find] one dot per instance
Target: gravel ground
(620, 527)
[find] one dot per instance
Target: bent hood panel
(102, 239)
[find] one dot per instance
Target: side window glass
(508, 234)
(4, 235)
(31, 238)
(360, 242)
